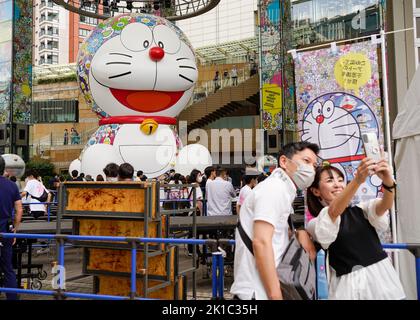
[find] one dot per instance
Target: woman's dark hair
(261, 177)
(176, 178)
(183, 179)
(126, 171)
(111, 170)
(99, 177)
(248, 178)
(314, 203)
(193, 176)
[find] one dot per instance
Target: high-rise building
(79, 28)
(58, 32)
(51, 33)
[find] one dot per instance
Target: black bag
(296, 271)
(43, 197)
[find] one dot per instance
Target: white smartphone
(371, 145)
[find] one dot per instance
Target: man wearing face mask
(264, 218)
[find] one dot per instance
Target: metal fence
(217, 262)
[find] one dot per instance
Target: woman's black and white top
(359, 268)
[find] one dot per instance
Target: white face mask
(304, 175)
(110, 179)
(199, 179)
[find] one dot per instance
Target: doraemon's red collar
(136, 120)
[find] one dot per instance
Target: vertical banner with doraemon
(339, 98)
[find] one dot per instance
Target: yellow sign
(272, 106)
(353, 71)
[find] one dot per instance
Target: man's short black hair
(209, 170)
(33, 173)
(111, 170)
(290, 149)
(220, 171)
(2, 165)
(139, 173)
(74, 173)
(126, 171)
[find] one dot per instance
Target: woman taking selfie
(359, 269)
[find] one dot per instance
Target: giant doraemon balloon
(137, 72)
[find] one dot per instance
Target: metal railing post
(133, 291)
(214, 279)
(221, 276)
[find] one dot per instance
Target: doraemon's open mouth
(147, 101)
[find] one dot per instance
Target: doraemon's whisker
(187, 67)
(120, 54)
(186, 78)
(182, 59)
(303, 130)
(344, 115)
(345, 125)
(356, 110)
(108, 63)
(348, 135)
(304, 120)
(120, 75)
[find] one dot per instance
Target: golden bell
(149, 126)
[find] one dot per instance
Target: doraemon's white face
(334, 129)
(143, 71)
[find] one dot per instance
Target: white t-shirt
(219, 195)
(36, 189)
(198, 193)
(270, 201)
(245, 191)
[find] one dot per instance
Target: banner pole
(388, 136)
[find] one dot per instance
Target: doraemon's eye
(166, 39)
(135, 36)
(317, 110)
(328, 109)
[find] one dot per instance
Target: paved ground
(73, 263)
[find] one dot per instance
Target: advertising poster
(22, 64)
(338, 98)
(6, 22)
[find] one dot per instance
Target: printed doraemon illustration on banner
(137, 72)
(338, 97)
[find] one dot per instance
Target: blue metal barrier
(48, 204)
(415, 250)
(61, 239)
(217, 262)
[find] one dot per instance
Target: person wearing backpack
(38, 194)
(264, 219)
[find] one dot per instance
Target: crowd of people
(357, 266)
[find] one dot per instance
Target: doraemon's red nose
(156, 53)
(320, 119)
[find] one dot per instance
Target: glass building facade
(307, 23)
(319, 21)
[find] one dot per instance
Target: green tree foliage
(44, 168)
